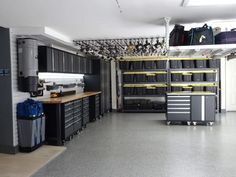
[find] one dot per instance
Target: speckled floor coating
(141, 145)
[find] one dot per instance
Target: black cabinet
(55, 60)
(45, 59)
(100, 80)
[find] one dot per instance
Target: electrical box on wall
(27, 65)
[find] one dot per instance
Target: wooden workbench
(66, 99)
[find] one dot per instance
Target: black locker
(82, 65)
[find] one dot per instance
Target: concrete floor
(141, 145)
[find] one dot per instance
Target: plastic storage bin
(211, 89)
(140, 78)
(198, 77)
(161, 90)
(176, 77)
(211, 77)
(124, 65)
(149, 64)
(128, 78)
(161, 77)
(136, 65)
(161, 64)
(176, 89)
(128, 91)
(188, 89)
(187, 77)
(31, 133)
(198, 88)
(201, 63)
(150, 91)
(213, 63)
(151, 78)
(140, 90)
(175, 64)
(188, 64)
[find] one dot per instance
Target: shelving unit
(205, 78)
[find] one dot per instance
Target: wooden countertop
(191, 93)
(69, 98)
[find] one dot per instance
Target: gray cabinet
(191, 108)
(45, 59)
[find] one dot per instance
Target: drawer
(68, 108)
(86, 107)
(179, 105)
(178, 116)
(69, 104)
(178, 109)
(69, 120)
(77, 106)
(77, 111)
(78, 117)
(178, 97)
(180, 101)
(69, 130)
(77, 125)
(68, 114)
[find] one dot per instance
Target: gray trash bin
(31, 133)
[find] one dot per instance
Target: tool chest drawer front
(178, 116)
(68, 120)
(69, 128)
(69, 113)
(77, 125)
(78, 111)
(85, 100)
(77, 103)
(68, 106)
(178, 99)
(86, 107)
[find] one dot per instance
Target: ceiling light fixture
(207, 2)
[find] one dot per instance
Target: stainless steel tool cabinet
(191, 108)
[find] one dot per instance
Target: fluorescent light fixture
(208, 2)
(56, 34)
(60, 76)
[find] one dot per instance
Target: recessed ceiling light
(208, 2)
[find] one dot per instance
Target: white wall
(223, 83)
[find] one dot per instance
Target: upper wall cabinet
(54, 60)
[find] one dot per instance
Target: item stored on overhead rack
(161, 77)
(228, 37)
(28, 65)
(149, 64)
(178, 36)
(210, 77)
(202, 36)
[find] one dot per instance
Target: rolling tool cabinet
(191, 108)
(66, 116)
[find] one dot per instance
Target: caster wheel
(168, 123)
(194, 123)
(188, 123)
(210, 123)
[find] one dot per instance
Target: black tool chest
(85, 111)
(151, 79)
(66, 119)
(94, 105)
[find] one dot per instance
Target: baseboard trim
(9, 149)
(223, 110)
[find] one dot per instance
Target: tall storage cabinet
(100, 80)
(6, 112)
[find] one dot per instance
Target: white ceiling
(89, 19)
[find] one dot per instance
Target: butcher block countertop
(69, 98)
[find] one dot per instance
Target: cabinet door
(68, 63)
(197, 108)
(210, 108)
(82, 65)
(88, 66)
(55, 60)
(45, 59)
(60, 61)
(75, 64)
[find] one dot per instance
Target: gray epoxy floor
(141, 145)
